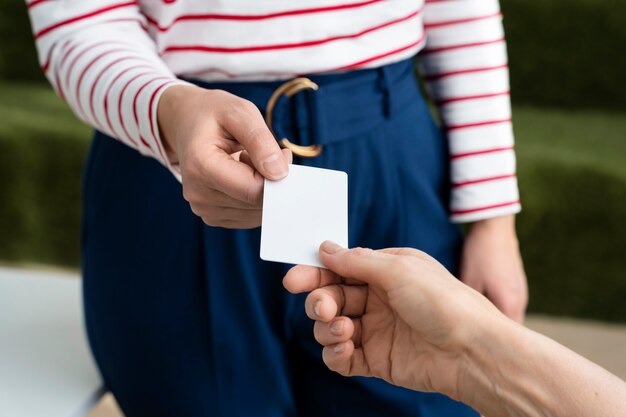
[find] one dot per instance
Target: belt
(307, 114)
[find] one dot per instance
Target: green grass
(572, 168)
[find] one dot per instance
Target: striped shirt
(111, 60)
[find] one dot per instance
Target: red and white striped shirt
(112, 59)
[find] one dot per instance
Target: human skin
(225, 150)
(397, 314)
(492, 265)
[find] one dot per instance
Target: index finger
(416, 253)
(369, 266)
(234, 178)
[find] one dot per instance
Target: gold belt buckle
(289, 89)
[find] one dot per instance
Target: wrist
(499, 225)
(481, 376)
(481, 328)
(168, 111)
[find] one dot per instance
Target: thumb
(371, 267)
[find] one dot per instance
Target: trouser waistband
(365, 99)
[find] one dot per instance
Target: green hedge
(572, 234)
(567, 53)
(42, 147)
(563, 52)
(572, 176)
(18, 58)
(572, 228)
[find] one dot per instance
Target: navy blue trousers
(186, 320)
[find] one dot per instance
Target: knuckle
(234, 109)
(189, 195)
(195, 210)
(195, 197)
(338, 296)
(221, 95)
(221, 100)
(208, 221)
(422, 256)
(342, 369)
(248, 106)
(355, 258)
(404, 264)
(229, 111)
(361, 252)
(206, 213)
(260, 137)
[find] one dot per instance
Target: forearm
(464, 67)
(513, 371)
(101, 61)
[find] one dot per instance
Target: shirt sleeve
(465, 69)
(99, 58)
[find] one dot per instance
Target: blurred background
(567, 73)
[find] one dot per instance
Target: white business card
(301, 211)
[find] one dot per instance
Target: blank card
(301, 211)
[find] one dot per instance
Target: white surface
(301, 211)
(46, 369)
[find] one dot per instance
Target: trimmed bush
(567, 53)
(572, 229)
(572, 234)
(42, 148)
(18, 57)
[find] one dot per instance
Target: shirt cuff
(160, 155)
(485, 200)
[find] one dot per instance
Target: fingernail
(275, 167)
(316, 308)
(337, 327)
(330, 247)
(339, 348)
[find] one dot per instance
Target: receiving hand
(224, 149)
(395, 314)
